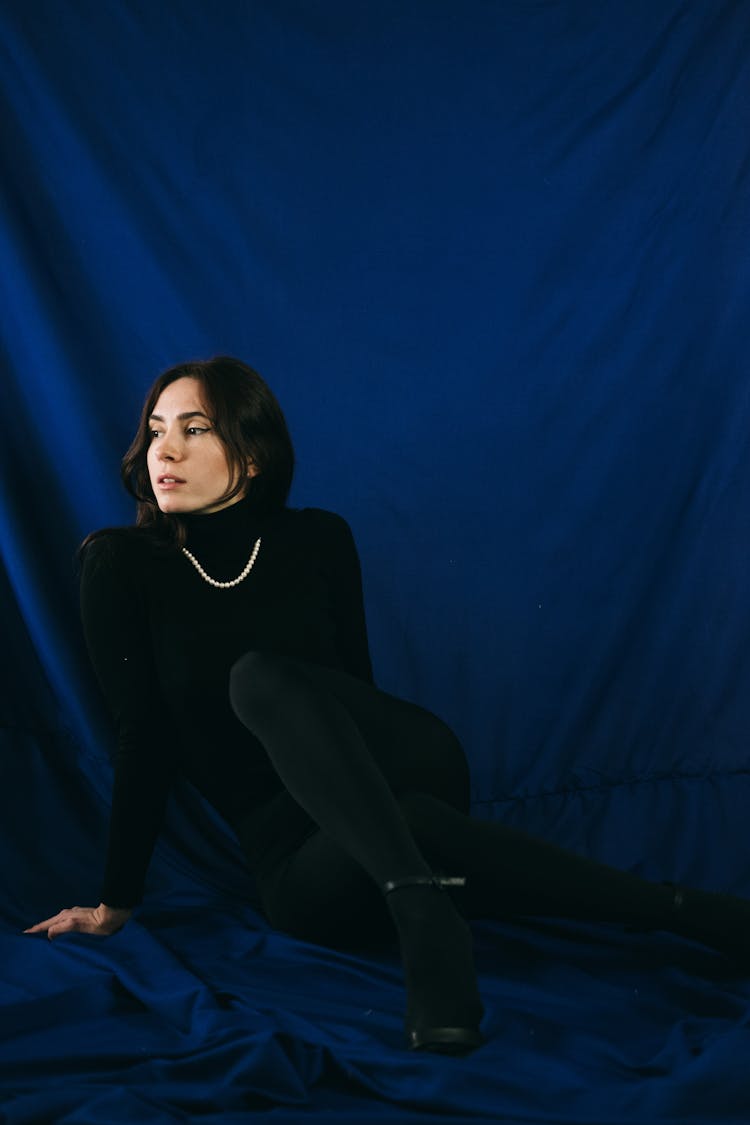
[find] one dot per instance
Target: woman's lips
(167, 485)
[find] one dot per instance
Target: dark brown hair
(248, 421)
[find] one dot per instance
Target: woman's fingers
(73, 922)
(75, 919)
(40, 927)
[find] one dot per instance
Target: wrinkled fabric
(197, 1008)
(492, 260)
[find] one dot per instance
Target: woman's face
(187, 463)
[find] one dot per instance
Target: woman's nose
(169, 450)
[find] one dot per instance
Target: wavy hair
(249, 423)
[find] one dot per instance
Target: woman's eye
(190, 430)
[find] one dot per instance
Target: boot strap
(440, 882)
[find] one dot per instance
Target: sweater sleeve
(344, 575)
(116, 630)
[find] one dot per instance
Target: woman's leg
(414, 749)
(317, 727)
(320, 755)
(509, 873)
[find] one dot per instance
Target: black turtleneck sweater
(162, 642)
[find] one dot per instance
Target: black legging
(386, 787)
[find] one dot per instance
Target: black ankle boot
(444, 1009)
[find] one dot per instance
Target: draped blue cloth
(492, 259)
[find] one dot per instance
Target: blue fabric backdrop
(492, 257)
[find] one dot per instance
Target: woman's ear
(252, 468)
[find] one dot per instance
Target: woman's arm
(116, 629)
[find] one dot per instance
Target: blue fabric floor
(196, 1011)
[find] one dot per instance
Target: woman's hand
(100, 920)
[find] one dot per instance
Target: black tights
(386, 787)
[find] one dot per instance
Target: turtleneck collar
(223, 534)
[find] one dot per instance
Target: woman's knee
(258, 682)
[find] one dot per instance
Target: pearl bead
(224, 585)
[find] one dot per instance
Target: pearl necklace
(235, 581)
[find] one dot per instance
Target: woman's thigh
(415, 750)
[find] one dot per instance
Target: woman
(228, 634)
